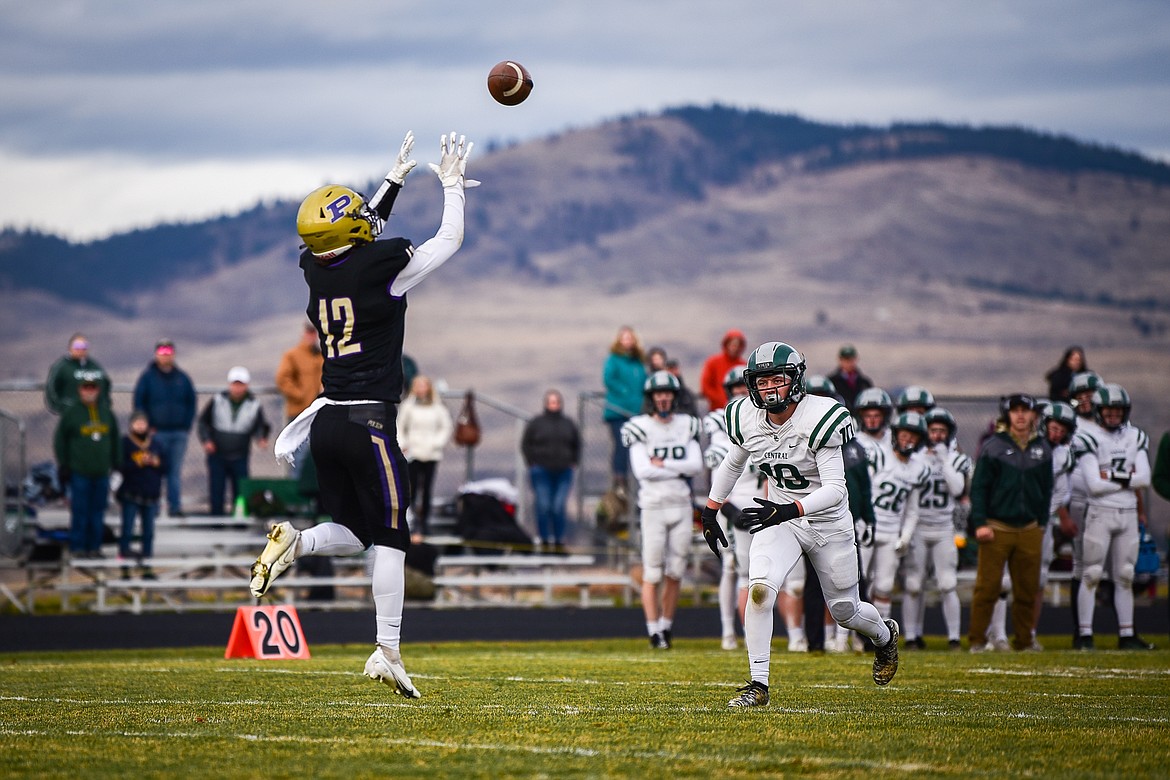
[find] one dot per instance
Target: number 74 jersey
(787, 453)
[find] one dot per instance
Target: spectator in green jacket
(66, 375)
(1010, 496)
(624, 374)
(87, 448)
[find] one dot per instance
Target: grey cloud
(258, 77)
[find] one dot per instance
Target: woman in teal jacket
(624, 375)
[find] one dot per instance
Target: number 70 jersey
(787, 453)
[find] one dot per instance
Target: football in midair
(509, 83)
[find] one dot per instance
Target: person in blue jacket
(167, 395)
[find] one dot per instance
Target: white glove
(402, 165)
(864, 532)
(902, 545)
(453, 161)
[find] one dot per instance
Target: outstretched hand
(712, 531)
(454, 152)
(403, 165)
(768, 513)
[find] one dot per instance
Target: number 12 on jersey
(337, 310)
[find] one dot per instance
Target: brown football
(509, 83)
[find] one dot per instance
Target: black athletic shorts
(361, 472)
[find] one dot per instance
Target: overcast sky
(118, 114)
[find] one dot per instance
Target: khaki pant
(1020, 549)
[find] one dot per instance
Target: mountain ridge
(619, 177)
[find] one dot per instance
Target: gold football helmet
(334, 218)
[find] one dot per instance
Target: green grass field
(609, 708)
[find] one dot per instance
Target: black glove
(712, 531)
(769, 513)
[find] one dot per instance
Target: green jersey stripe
(838, 412)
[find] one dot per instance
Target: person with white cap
(228, 424)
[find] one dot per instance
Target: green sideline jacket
(1012, 485)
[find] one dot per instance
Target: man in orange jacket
(717, 366)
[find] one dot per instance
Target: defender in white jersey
(933, 548)
(1116, 463)
(796, 442)
(733, 582)
(900, 476)
(664, 453)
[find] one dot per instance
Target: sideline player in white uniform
(664, 452)
(796, 442)
(900, 476)
(1112, 470)
(1058, 421)
(733, 582)
(1082, 388)
(873, 411)
(933, 549)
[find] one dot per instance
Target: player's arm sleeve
(910, 518)
(723, 478)
(955, 479)
(832, 491)
(691, 464)
(383, 200)
(438, 250)
(643, 469)
(1141, 471)
(1090, 470)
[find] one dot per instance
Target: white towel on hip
(296, 433)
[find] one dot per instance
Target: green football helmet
(661, 380)
(775, 357)
(734, 377)
(818, 384)
(1109, 396)
(873, 398)
(915, 395)
(1061, 412)
(1084, 382)
(909, 421)
(941, 415)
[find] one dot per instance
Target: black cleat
(658, 642)
(1083, 643)
(754, 694)
(1134, 642)
(885, 658)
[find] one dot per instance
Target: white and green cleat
(278, 555)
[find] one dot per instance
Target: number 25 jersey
(787, 453)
